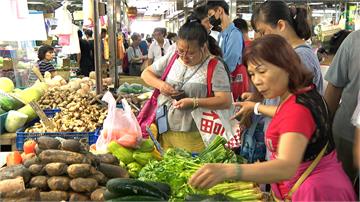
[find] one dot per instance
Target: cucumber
(162, 187)
(127, 187)
(135, 198)
(7, 103)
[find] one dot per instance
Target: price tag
(46, 121)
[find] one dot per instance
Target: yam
(39, 182)
(71, 145)
(59, 183)
(83, 184)
(11, 172)
(92, 159)
(68, 157)
(56, 169)
(48, 143)
(79, 170)
(12, 184)
(37, 169)
(37, 150)
(32, 194)
(112, 171)
(78, 197)
(99, 177)
(108, 158)
(98, 194)
(32, 161)
(54, 196)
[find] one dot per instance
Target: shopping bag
(120, 125)
(64, 39)
(147, 114)
(216, 122)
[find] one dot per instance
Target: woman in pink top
(298, 135)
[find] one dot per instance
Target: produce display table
(132, 79)
(8, 139)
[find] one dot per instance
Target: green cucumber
(126, 187)
(135, 198)
(109, 195)
(162, 187)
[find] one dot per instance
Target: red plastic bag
(120, 125)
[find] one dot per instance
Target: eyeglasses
(162, 52)
(185, 53)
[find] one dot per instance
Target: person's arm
(151, 54)
(267, 110)
(332, 97)
(290, 153)
(220, 100)
(150, 61)
(154, 81)
(233, 50)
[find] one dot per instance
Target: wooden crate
(8, 139)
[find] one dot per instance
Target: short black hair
(336, 40)
(215, 4)
(80, 34)
(241, 24)
(88, 32)
(200, 12)
(43, 50)
(103, 31)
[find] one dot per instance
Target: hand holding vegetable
(212, 174)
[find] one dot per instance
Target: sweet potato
(39, 182)
(56, 169)
(54, 196)
(99, 177)
(37, 169)
(108, 158)
(91, 159)
(79, 170)
(48, 143)
(11, 172)
(112, 171)
(20, 195)
(71, 145)
(29, 162)
(68, 157)
(12, 184)
(59, 183)
(83, 184)
(98, 194)
(78, 197)
(38, 150)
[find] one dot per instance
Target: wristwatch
(256, 108)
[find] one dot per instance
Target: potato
(54, 196)
(79, 170)
(98, 194)
(56, 169)
(78, 197)
(59, 183)
(83, 184)
(108, 158)
(29, 162)
(68, 157)
(11, 172)
(37, 169)
(39, 182)
(21, 195)
(48, 143)
(99, 177)
(71, 145)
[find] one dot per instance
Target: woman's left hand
(185, 103)
(210, 175)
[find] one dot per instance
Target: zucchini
(127, 187)
(135, 198)
(162, 187)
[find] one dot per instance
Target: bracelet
(256, 108)
(195, 103)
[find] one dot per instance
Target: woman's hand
(245, 112)
(167, 89)
(185, 103)
(210, 175)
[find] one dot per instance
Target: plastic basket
(2, 122)
(22, 136)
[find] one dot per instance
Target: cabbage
(6, 84)
(15, 120)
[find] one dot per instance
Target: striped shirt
(45, 66)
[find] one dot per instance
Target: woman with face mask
(185, 87)
(303, 165)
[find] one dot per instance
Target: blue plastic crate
(2, 122)
(22, 136)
